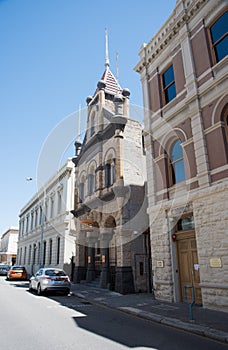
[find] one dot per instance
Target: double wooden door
(189, 270)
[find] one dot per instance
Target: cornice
(167, 32)
(48, 187)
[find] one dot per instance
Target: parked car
(50, 279)
(16, 273)
(4, 268)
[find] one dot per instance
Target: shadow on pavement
(131, 331)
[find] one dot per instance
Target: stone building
(184, 73)
(8, 246)
(46, 225)
(112, 240)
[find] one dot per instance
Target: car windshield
(17, 268)
(4, 267)
(55, 273)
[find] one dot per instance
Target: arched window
(219, 37)
(91, 181)
(92, 125)
(81, 190)
(110, 173)
(176, 163)
(107, 175)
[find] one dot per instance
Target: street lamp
(42, 225)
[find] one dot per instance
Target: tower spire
(106, 49)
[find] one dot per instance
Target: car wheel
(66, 292)
(39, 290)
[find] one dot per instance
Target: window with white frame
(52, 207)
(31, 222)
(169, 86)
(46, 210)
(59, 202)
(219, 37)
(177, 173)
(27, 224)
(36, 217)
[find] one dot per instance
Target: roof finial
(106, 49)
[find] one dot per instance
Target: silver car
(4, 269)
(50, 279)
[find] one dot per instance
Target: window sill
(221, 65)
(178, 190)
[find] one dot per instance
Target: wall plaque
(160, 263)
(215, 262)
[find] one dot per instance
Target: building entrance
(189, 272)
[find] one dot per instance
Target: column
(80, 268)
(105, 238)
(124, 273)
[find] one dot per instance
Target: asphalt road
(59, 322)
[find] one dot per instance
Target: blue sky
(52, 56)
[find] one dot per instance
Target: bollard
(187, 302)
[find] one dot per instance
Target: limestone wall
(211, 226)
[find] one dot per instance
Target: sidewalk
(208, 323)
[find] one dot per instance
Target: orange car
(17, 272)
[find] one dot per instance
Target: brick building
(184, 80)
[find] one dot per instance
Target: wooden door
(189, 273)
